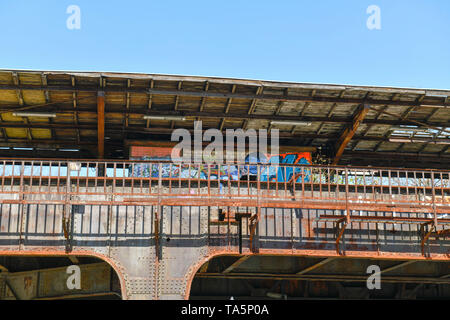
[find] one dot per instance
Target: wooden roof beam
(127, 105)
(101, 125)
(196, 114)
(113, 128)
(305, 107)
(74, 97)
(257, 96)
(177, 100)
(227, 107)
(47, 101)
(252, 107)
(150, 101)
(19, 94)
(349, 132)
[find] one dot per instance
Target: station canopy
(56, 114)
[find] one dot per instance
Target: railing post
(434, 198)
(157, 214)
(346, 196)
(65, 217)
(22, 205)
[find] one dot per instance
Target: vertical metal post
(22, 205)
(434, 198)
(346, 196)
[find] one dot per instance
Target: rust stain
(27, 282)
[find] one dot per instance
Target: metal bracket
(157, 236)
(339, 232)
(426, 236)
(253, 223)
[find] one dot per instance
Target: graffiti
(274, 171)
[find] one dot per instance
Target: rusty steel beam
(82, 296)
(236, 264)
(397, 266)
(322, 277)
(349, 132)
(95, 281)
(73, 259)
(316, 265)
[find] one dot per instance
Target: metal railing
(397, 196)
(284, 185)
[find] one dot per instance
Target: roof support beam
(60, 108)
(203, 100)
(237, 263)
(74, 97)
(101, 124)
(349, 132)
(227, 107)
(127, 105)
(316, 265)
(21, 101)
(47, 101)
(114, 128)
(397, 266)
(321, 277)
(177, 100)
(257, 96)
(150, 101)
(305, 107)
(252, 106)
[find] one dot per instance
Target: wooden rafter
(267, 97)
(252, 106)
(307, 104)
(150, 101)
(444, 150)
(114, 128)
(330, 112)
(19, 94)
(47, 100)
(411, 109)
(177, 101)
(5, 135)
(280, 105)
(75, 114)
(127, 105)
(203, 100)
(101, 125)
(349, 132)
(227, 107)
(305, 107)
(214, 115)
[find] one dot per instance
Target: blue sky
(302, 41)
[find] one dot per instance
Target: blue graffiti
(272, 172)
